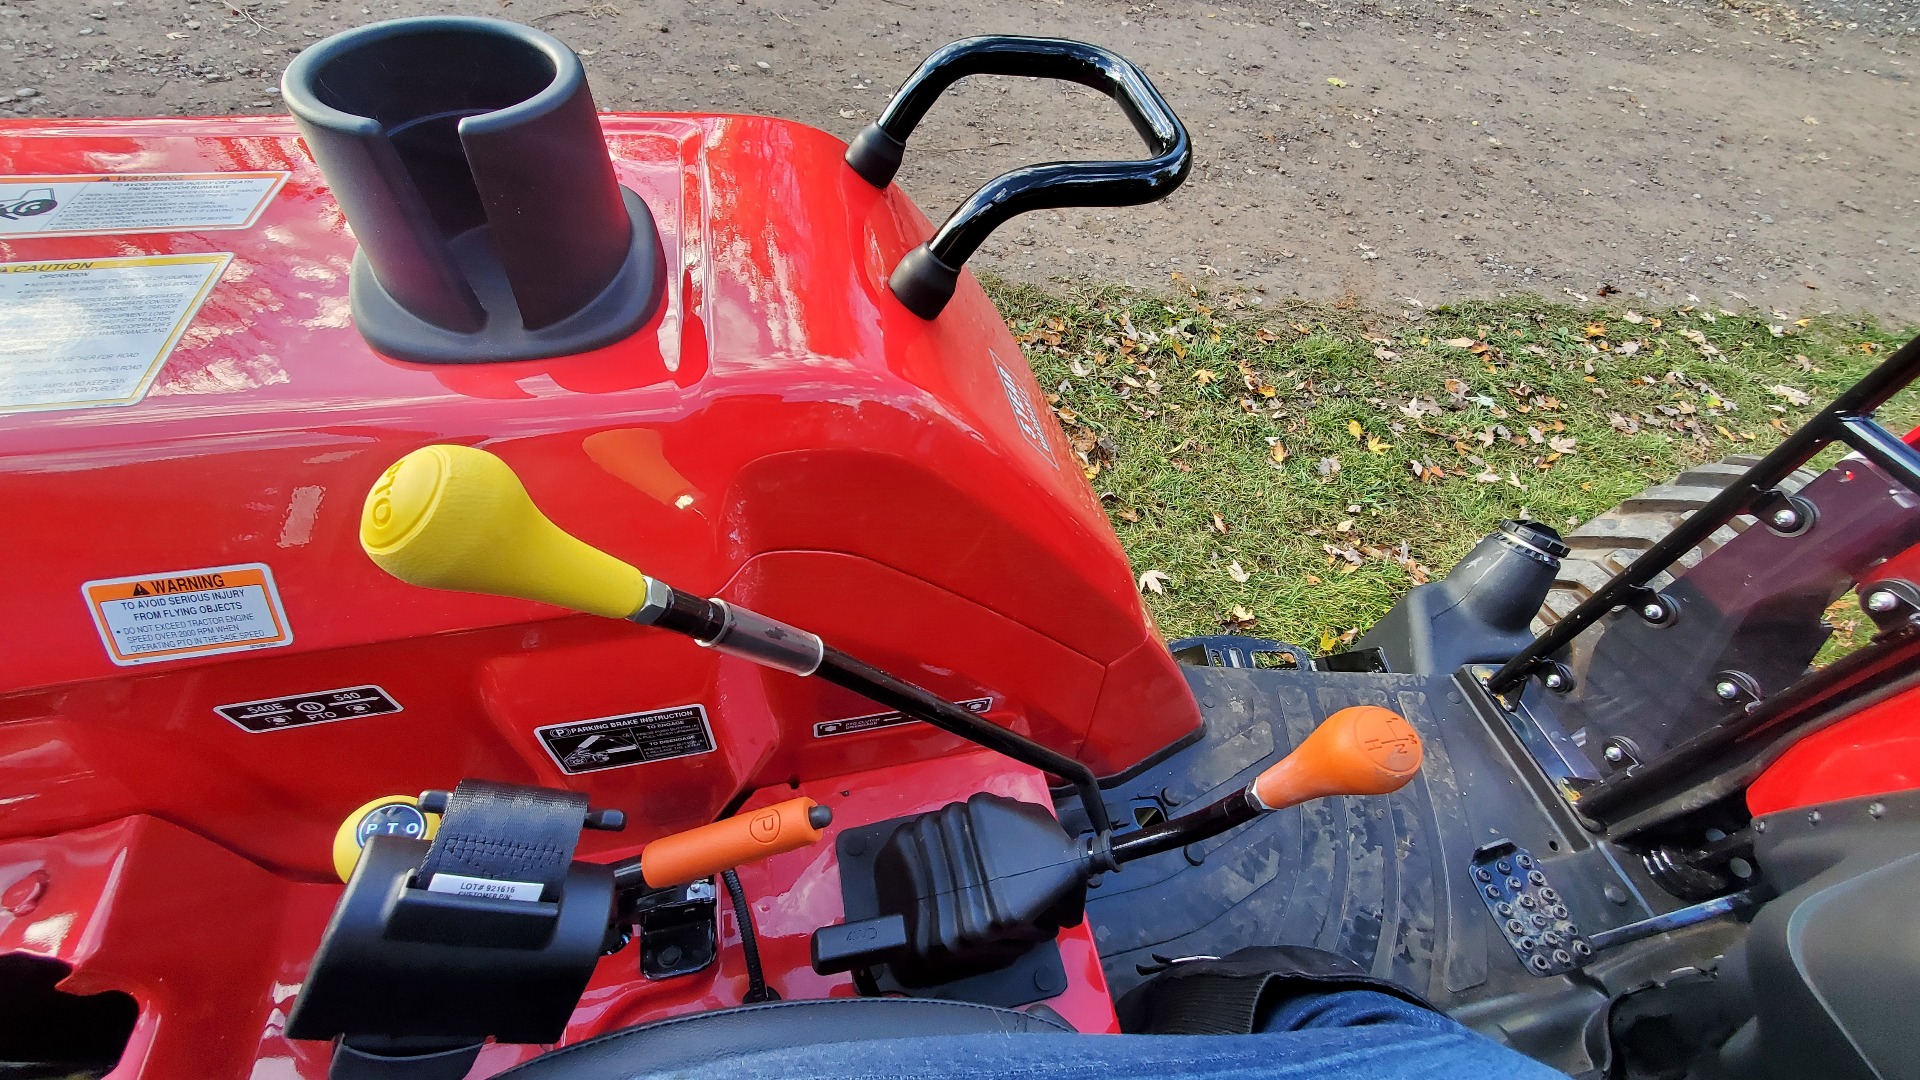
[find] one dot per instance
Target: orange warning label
(185, 613)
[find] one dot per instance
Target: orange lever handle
(723, 845)
(1362, 750)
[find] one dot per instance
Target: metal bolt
(1615, 894)
(1784, 518)
(1881, 601)
(1876, 810)
(1555, 680)
(1813, 817)
(1653, 612)
(21, 897)
(1759, 826)
(1726, 689)
(1614, 754)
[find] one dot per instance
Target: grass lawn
(1290, 470)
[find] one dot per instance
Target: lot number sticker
(185, 613)
(92, 205)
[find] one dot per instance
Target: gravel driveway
(1385, 149)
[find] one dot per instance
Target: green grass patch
(1292, 470)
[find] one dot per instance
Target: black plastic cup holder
(468, 159)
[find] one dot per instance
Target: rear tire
(1605, 545)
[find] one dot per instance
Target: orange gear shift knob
(1361, 750)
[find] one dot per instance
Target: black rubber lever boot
(970, 887)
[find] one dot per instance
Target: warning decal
(96, 204)
(295, 710)
(185, 613)
(613, 741)
(84, 333)
(854, 725)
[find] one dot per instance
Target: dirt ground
(1394, 150)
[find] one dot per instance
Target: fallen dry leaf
(1354, 429)
(1237, 573)
(1219, 524)
(1154, 581)
(1240, 616)
(1791, 395)
(1332, 81)
(1277, 452)
(1376, 446)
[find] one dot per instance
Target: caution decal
(178, 614)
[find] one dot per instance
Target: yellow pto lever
(453, 517)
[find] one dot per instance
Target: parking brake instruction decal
(632, 739)
(182, 613)
(86, 333)
(103, 204)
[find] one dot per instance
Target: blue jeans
(1345, 1035)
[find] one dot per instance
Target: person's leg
(1350, 1008)
(1344, 1035)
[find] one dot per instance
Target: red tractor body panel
(213, 948)
(783, 433)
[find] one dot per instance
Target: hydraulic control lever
(975, 886)
(1361, 750)
(456, 517)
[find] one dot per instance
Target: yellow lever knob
(454, 517)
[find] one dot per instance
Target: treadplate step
(1531, 913)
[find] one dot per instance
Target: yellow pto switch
(388, 815)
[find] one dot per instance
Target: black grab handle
(925, 279)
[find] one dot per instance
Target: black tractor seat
(711, 1038)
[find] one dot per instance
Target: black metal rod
(1674, 920)
(1883, 448)
(704, 621)
(868, 681)
(1209, 821)
(1832, 422)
